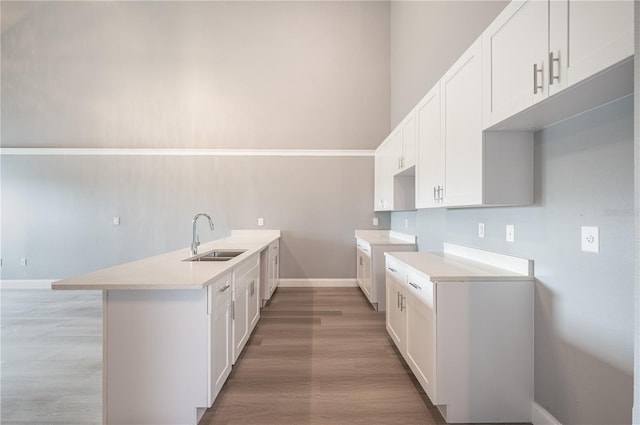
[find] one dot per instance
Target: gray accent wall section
(427, 37)
(190, 74)
(195, 74)
(57, 211)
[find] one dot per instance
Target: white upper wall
(427, 37)
(158, 74)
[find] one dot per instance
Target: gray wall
(235, 75)
(636, 386)
(584, 302)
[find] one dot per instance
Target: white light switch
(590, 239)
(23, 261)
(375, 221)
(481, 230)
(510, 237)
(116, 221)
(261, 221)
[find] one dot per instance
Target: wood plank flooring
(321, 356)
(51, 351)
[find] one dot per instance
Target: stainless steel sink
(217, 255)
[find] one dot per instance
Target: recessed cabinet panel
(515, 43)
(462, 103)
(600, 34)
(430, 151)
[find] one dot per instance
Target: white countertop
(441, 267)
(385, 237)
(168, 271)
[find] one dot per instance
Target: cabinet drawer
(421, 287)
(395, 269)
(246, 267)
(221, 287)
(364, 247)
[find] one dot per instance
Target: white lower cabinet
(221, 341)
(246, 303)
(396, 319)
(467, 339)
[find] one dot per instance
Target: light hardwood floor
(51, 357)
(321, 356)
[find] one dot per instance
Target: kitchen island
(173, 328)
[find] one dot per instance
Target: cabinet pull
(435, 197)
(537, 87)
(551, 61)
(392, 269)
(233, 310)
(403, 306)
(440, 193)
(253, 287)
(398, 297)
(414, 285)
(224, 288)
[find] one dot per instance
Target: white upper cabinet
(461, 125)
(536, 49)
(408, 158)
(385, 166)
(599, 34)
(429, 151)
(517, 45)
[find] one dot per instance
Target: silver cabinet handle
(253, 287)
(398, 297)
(392, 269)
(224, 288)
(233, 310)
(414, 285)
(402, 303)
(435, 191)
(552, 77)
(537, 87)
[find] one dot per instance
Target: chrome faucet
(196, 240)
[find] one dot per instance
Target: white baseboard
(317, 283)
(26, 283)
(540, 416)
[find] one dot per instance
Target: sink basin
(217, 255)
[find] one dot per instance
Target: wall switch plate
(375, 221)
(481, 230)
(590, 239)
(406, 223)
(116, 221)
(510, 237)
(23, 261)
(261, 221)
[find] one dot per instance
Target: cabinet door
(461, 97)
(395, 316)
(221, 345)
(366, 275)
(515, 43)
(274, 276)
(600, 34)
(408, 141)
(240, 313)
(254, 301)
(421, 334)
(430, 152)
(395, 152)
(385, 166)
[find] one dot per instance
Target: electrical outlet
(23, 261)
(481, 230)
(510, 237)
(116, 221)
(261, 221)
(406, 223)
(590, 239)
(375, 221)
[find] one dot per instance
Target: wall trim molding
(317, 283)
(186, 152)
(26, 283)
(540, 416)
